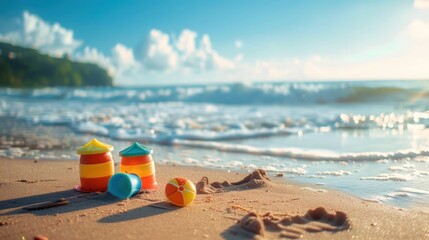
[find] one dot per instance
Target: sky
(185, 42)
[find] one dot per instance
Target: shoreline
(211, 216)
(400, 183)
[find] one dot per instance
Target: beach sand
(257, 209)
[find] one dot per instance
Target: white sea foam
(90, 127)
(377, 199)
(316, 176)
(314, 189)
(334, 173)
(383, 161)
(389, 177)
(402, 193)
(305, 154)
(389, 196)
(175, 116)
(297, 171)
(233, 164)
(407, 167)
(397, 168)
(398, 194)
(422, 173)
(191, 161)
(415, 190)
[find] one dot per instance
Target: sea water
(370, 139)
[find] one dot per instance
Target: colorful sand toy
(96, 166)
(137, 159)
(180, 191)
(124, 185)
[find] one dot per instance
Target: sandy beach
(268, 210)
(214, 120)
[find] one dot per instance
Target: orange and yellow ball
(180, 191)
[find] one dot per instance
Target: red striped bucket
(96, 166)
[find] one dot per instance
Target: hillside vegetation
(27, 68)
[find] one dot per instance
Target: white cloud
(92, 55)
(127, 69)
(119, 64)
(184, 55)
(199, 58)
(186, 45)
(418, 29)
(48, 38)
(122, 56)
(238, 44)
(186, 42)
(421, 4)
(156, 53)
(239, 57)
(316, 58)
(210, 58)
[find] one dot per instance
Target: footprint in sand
(256, 179)
(316, 220)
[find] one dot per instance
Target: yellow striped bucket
(137, 159)
(96, 166)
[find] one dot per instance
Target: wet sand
(261, 207)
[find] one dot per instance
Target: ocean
(369, 139)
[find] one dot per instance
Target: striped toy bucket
(137, 159)
(96, 166)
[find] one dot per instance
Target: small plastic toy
(180, 191)
(137, 159)
(124, 185)
(96, 166)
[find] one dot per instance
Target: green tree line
(27, 68)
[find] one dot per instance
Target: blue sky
(243, 41)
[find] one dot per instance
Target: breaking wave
(263, 93)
